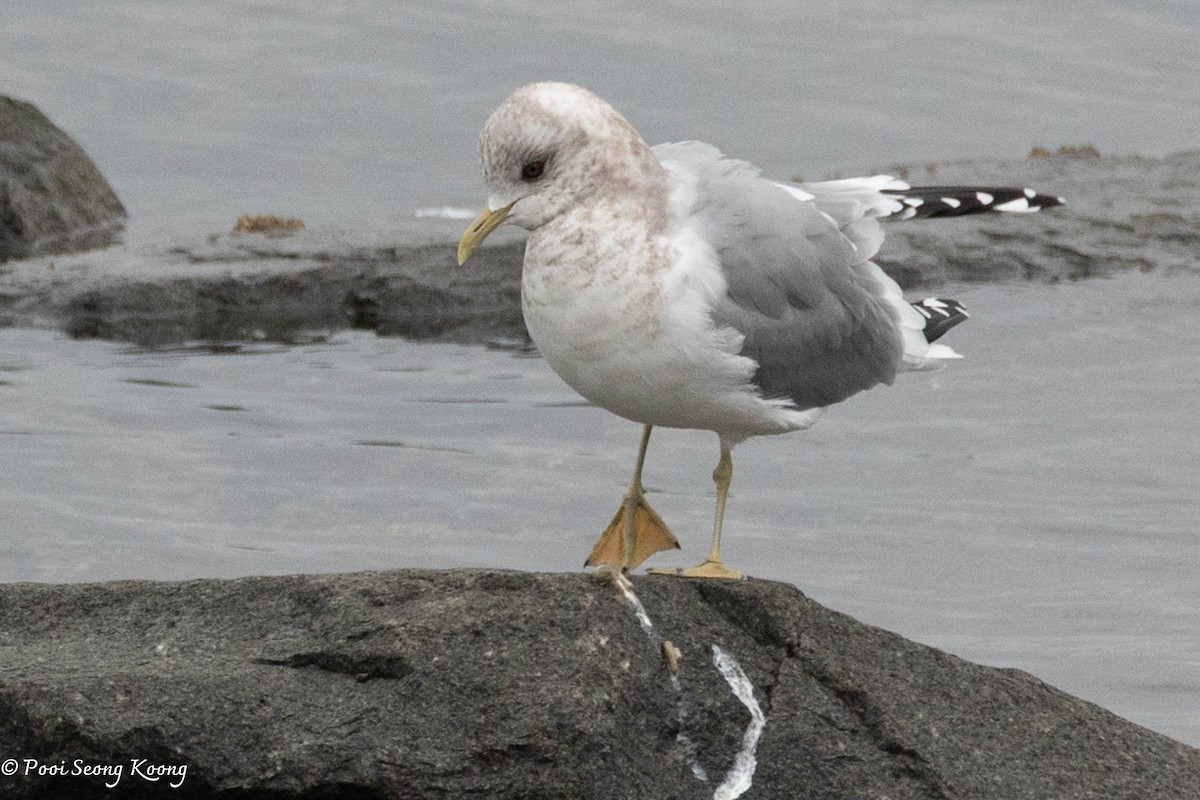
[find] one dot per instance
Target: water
(1033, 506)
(357, 112)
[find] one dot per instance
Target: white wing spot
(1019, 205)
(950, 201)
(984, 197)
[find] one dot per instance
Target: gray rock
(436, 684)
(403, 282)
(1122, 214)
(52, 197)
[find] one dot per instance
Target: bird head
(544, 150)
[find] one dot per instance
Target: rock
(403, 282)
(1121, 214)
(423, 684)
(52, 197)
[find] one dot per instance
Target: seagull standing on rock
(679, 288)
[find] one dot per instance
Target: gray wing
(813, 319)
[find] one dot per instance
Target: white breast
(622, 316)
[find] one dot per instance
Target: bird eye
(533, 170)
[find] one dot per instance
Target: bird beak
(485, 223)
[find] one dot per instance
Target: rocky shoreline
(1123, 214)
(422, 684)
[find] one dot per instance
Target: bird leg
(713, 566)
(636, 531)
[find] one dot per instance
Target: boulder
(436, 684)
(52, 197)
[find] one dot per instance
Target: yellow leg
(713, 567)
(636, 531)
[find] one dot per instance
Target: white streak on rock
(739, 777)
(639, 611)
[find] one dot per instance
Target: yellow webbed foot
(647, 534)
(709, 569)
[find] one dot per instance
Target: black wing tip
(941, 314)
(922, 202)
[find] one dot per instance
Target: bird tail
(921, 324)
(857, 205)
(941, 314)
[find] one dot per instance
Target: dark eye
(533, 170)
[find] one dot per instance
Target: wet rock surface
(463, 683)
(278, 288)
(1123, 214)
(53, 199)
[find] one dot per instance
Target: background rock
(1122, 214)
(52, 197)
(423, 684)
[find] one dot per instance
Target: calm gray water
(360, 111)
(1032, 506)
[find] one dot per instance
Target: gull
(679, 288)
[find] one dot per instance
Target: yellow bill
(485, 223)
